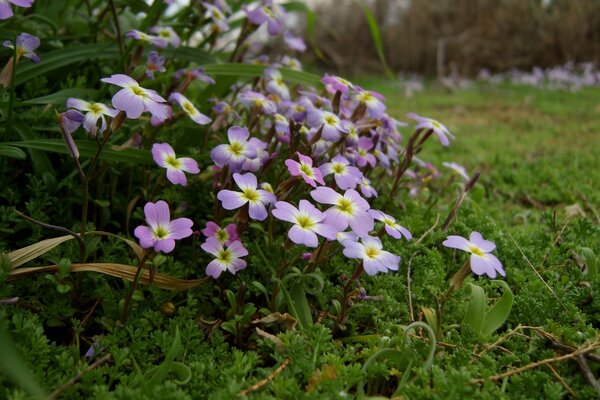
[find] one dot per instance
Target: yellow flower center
(346, 206)
(250, 194)
(225, 256)
(96, 108)
(338, 168)
(372, 252)
(172, 162)
(477, 251)
(188, 107)
(222, 235)
(236, 148)
(138, 91)
(331, 119)
(306, 169)
(304, 221)
(160, 233)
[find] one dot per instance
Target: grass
(536, 150)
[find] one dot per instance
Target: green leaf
(475, 314)
(13, 366)
(12, 152)
(39, 160)
(60, 97)
(66, 56)
(249, 71)
(591, 261)
(190, 54)
(88, 149)
(498, 313)
(376, 35)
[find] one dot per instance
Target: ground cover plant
(184, 216)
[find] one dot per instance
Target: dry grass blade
(26, 254)
(137, 249)
(536, 272)
(117, 270)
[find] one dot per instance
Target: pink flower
(164, 155)
(345, 175)
(256, 198)
(94, 112)
(189, 108)
(439, 129)
(374, 258)
(391, 226)
(482, 261)
(225, 258)
(305, 169)
(162, 232)
(134, 99)
(224, 236)
(307, 220)
(6, 10)
(348, 209)
(237, 151)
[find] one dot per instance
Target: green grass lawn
(537, 149)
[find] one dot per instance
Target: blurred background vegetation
(456, 36)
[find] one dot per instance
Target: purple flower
(236, 152)
(256, 198)
(224, 236)
(164, 155)
(70, 121)
(336, 84)
(271, 13)
(225, 258)
(345, 175)
(362, 155)
(26, 44)
(189, 108)
(427, 123)
(374, 103)
(295, 43)
(307, 220)
(305, 169)
(216, 15)
(6, 10)
(391, 226)
(332, 126)
(348, 209)
(168, 34)
(366, 189)
(257, 100)
(275, 84)
(162, 232)
(154, 64)
(94, 112)
(374, 258)
(145, 38)
(458, 169)
(482, 261)
(195, 73)
(134, 99)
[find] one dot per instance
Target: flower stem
(134, 283)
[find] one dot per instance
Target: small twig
(468, 186)
(437, 220)
(500, 340)
(58, 229)
(268, 379)
(589, 206)
(565, 347)
(77, 377)
(113, 10)
(536, 272)
(408, 281)
(589, 375)
(555, 242)
(536, 364)
(561, 380)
